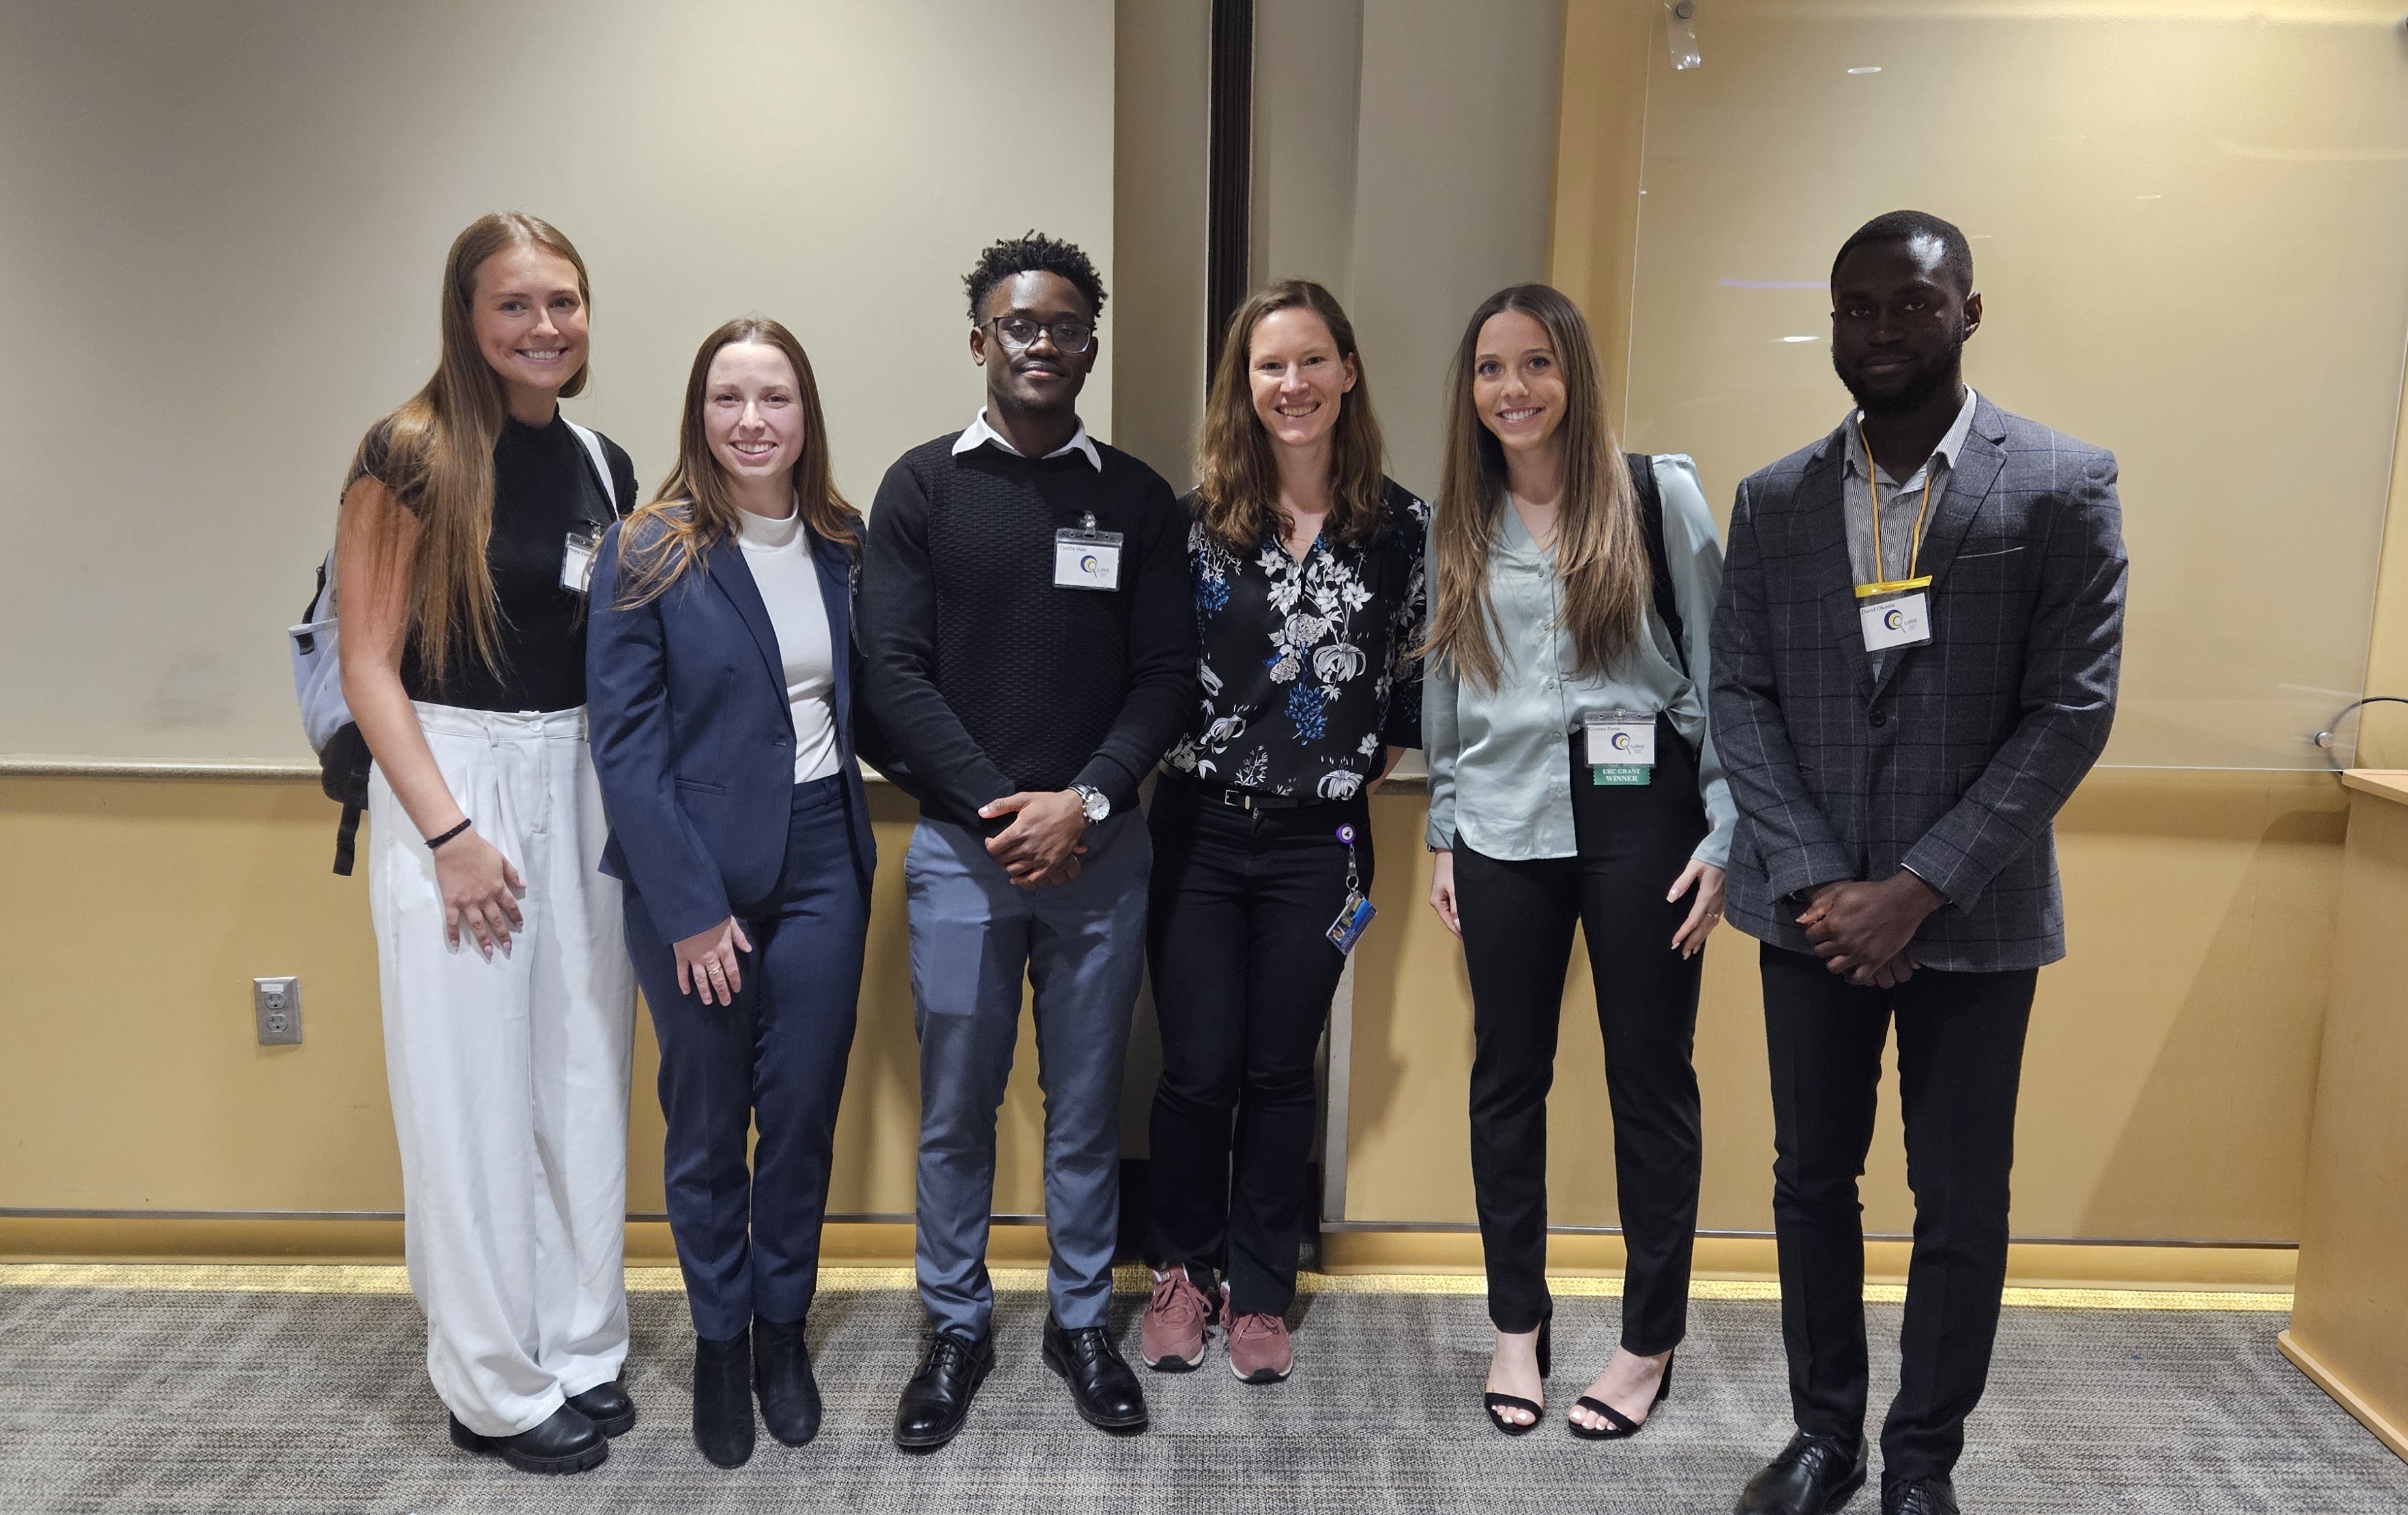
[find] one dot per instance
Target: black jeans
(1517, 921)
(1960, 1052)
(1243, 973)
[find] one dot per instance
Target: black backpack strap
(1659, 564)
(347, 834)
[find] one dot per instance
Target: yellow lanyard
(1881, 545)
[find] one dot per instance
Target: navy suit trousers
(748, 1237)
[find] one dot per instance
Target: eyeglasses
(1071, 335)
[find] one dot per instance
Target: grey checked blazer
(1953, 763)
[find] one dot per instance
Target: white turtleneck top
(779, 552)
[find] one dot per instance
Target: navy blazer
(693, 740)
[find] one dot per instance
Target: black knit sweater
(983, 678)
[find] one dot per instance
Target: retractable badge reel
(1354, 915)
(1086, 558)
(576, 556)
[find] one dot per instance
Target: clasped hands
(1861, 930)
(1043, 843)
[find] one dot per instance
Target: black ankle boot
(781, 1375)
(723, 1399)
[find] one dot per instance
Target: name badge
(1087, 559)
(1621, 747)
(1891, 621)
(1619, 736)
(577, 558)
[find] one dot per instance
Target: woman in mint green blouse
(1573, 781)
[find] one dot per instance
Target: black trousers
(1961, 1051)
(1243, 973)
(1517, 921)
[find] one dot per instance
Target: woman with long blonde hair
(1574, 783)
(723, 677)
(508, 1009)
(1307, 562)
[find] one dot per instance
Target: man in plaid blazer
(1898, 756)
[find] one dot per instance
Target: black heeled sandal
(1619, 1425)
(1496, 1402)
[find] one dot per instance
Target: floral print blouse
(1308, 666)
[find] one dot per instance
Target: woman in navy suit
(720, 695)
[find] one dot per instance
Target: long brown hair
(695, 511)
(1600, 552)
(436, 452)
(1238, 478)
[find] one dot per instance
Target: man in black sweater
(1030, 635)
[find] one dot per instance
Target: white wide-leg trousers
(509, 1076)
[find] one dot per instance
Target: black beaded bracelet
(434, 841)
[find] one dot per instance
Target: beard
(1901, 394)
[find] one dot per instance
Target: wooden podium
(2349, 1318)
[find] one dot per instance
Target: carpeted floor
(142, 1400)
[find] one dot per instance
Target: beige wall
(2171, 1070)
(2172, 1061)
(1161, 116)
(225, 221)
(1404, 156)
(134, 1082)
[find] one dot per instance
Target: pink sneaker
(1259, 1352)
(1177, 1319)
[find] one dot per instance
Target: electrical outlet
(276, 1003)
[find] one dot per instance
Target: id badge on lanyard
(1086, 558)
(576, 556)
(1894, 613)
(1354, 915)
(1620, 746)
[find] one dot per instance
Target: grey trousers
(975, 937)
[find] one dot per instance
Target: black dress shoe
(566, 1443)
(1101, 1384)
(1918, 1496)
(782, 1375)
(607, 1407)
(1813, 1476)
(938, 1398)
(723, 1399)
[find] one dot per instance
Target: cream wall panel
(1455, 164)
(226, 221)
(1161, 111)
(137, 914)
(2168, 1083)
(2164, 203)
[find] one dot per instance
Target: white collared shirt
(1901, 503)
(978, 434)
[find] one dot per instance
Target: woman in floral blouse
(1308, 601)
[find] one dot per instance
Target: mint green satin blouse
(1500, 760)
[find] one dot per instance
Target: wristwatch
(1093, 801)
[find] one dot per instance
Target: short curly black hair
(1033, 254)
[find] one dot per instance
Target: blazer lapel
(835, 567)
(1979, 462)
(734, 581)
(1822, 509)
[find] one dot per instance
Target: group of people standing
(619, 744)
